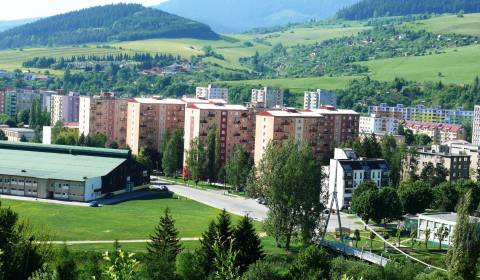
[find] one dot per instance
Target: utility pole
(334, 199)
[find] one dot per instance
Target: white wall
(92, 184)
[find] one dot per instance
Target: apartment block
(212, 92)
(2, 102)
(104, 114)
(439, 132)
(476, 126)
(150, 120)
(320, 128)
(346, 123)
(15, 101)
(378, 125)
(316, 99)
(422, 113)
(347, 172)
(266, 97)
(235, 124)
(457, 163)
(466, 148)
(65, 108)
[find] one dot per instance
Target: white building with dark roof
(347, 172)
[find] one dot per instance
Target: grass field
(468, 25)
(458, 65)
(299, 85)
(134, 219)
(13, 59)
(232, 47)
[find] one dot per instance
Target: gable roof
(58, 162)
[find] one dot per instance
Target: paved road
(233, 204)
(243, 206)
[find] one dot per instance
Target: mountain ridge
(116, 22)
(234, 16)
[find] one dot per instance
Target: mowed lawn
(459, 65)
(130, 220)
(469, 24)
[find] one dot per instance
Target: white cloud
(23, 9)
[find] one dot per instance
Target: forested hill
(379, 8)
(120, 22)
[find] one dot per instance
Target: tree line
(145, 60)
(383, 8)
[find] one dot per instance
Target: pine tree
(165, 241)
(218, 231)
(247, 243)
(163, 249)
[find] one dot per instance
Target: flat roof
(147, 100)
(225, 107)
(290, 113)
(58, 162)
(445, 216)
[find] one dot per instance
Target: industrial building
(67, 172)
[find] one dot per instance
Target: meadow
(469, 24)
(131, 220)
(459, 65)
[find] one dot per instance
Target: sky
(24, 9)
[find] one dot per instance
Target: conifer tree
(247, 244)
(165, 240)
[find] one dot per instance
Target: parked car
(164, 188)
(261, 200)
(109, 195)
(94, 204)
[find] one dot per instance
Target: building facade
(439, 132)
(422, 113)
(65, 108)
(457, 164)
(434, 221)
(321, 129)
(234, 124)
(476, 126)
(150, 120)
(347, 172)
(67, 172)
(464, 147)
(378, 125)
(267, 98)
(212, 92)
(316, 99)
(16, 101)
(14, 134)
(105, 114)
(2, 102)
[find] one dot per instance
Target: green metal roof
(79, 150)
(57, 162)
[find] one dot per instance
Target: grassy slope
(232, 48)
(129, 220)
(13, 59)
(469, 24)
(458, 65)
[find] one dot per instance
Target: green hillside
(121, 22)
(458, 65)
(469, 24)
